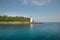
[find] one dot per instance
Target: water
(46, 31)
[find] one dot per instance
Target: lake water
(46, 31)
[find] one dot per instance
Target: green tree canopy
(6, 18)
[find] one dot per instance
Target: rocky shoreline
(14, 22)
(19, 23)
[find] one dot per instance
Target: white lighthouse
(31, 19)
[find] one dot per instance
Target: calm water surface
(46, 31)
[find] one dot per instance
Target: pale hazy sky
(40, 10)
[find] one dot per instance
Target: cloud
(36, 2)
(40, 2)
(25, 2)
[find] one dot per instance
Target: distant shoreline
(20, 23)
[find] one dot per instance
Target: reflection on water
(47, 31)
(31, 26)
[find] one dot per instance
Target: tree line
(6, 18)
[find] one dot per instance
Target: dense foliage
(13, 19)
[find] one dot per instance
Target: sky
(40, 10)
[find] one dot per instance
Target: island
(16, 20)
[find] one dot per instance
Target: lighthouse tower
(31, 19)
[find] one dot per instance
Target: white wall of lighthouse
(31, 20)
